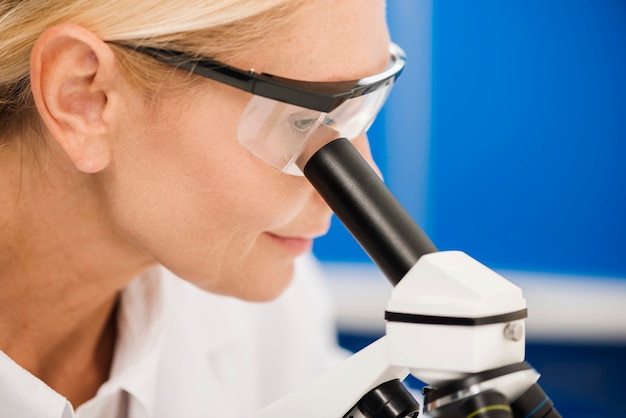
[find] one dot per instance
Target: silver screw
(514, 331)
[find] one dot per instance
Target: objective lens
(389, 400)
(489, 404)
(535, 404)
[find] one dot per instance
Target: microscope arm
(335, 392)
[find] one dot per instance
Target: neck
(62, 266)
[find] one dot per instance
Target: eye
(300, 123)
(303, 125)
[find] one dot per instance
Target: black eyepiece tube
(367, 208)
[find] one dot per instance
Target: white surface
(560, 307)
(453, 284)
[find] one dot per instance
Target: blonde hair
(214, 28)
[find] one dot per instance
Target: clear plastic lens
(356, 115)
(277, 132)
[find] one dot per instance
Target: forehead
(331, 40)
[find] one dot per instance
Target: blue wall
(506, 135)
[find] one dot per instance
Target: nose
(362, 144)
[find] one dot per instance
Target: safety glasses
(284, 114)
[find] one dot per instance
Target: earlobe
(72, 79)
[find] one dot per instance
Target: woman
(121, 174)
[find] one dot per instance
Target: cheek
(188, 194)
(221, 175)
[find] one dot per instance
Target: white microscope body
(457, 317)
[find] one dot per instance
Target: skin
(118, 184)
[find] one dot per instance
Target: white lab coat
(182, 352)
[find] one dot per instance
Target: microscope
(450, 321)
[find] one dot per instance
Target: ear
(72, 79)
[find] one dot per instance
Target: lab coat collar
(154, 334)
(141, 331)
(17, 393)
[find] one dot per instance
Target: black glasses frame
(316, 95)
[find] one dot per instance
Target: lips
(295, 245)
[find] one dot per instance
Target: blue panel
(529, 134)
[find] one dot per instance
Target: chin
(266, 287)
(262, 284)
